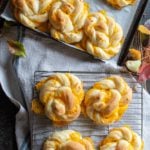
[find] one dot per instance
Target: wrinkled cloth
(46, 55)
(10, 85)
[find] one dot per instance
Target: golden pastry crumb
(107, 100)
(68, 140)
(133, 65)
(37, 107)
(122, 138)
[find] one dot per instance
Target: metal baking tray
(128, 38)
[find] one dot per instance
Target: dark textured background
(7, 122)
(8, 111)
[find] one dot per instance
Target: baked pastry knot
(68, 140)
(103, 36)
(67, 18)
(32, 13)
(107, 100)
(122, 138)
(61, 94)
(120, 3)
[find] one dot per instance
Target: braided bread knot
(122, 138)
(107, 100)
(32, 13)
(61, 94)
(67, 18)
(103, 36)
(68, 140)
(120, 3)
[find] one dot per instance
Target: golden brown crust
(61, 94)
(107, 100)
(103, 36)
(67, 18)
(135, 54)
(122, 138)
(68, 140)
(32, 13)
(120, 3)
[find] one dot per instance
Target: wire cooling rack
(42, 126)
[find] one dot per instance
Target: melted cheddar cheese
(61, 96)
(107, 100)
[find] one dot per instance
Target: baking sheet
(41, 127)
(124, 17)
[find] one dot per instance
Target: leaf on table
(146, 54)
(144, 72)
(144, 34)
(135, 54)
(37, 107)
(133, 65)
(16, 48)
(143, 29)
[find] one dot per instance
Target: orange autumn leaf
(144, 29)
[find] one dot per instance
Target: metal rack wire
(42, 127)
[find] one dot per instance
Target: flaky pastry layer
(68, 140)
(107, 100)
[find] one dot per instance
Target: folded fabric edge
(21, 126)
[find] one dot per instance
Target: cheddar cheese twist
(120, 3)
(32, 13)
(107, 100)
(103, 36)
(122, 138)
(61, 94)
(67, 18)
(68, 140)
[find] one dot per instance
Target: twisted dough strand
(68, 140)
(122, 138)
(61, 94)
(103, 36)
(120, 3)
(31, 13)
(67, 18)
(107, 100)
